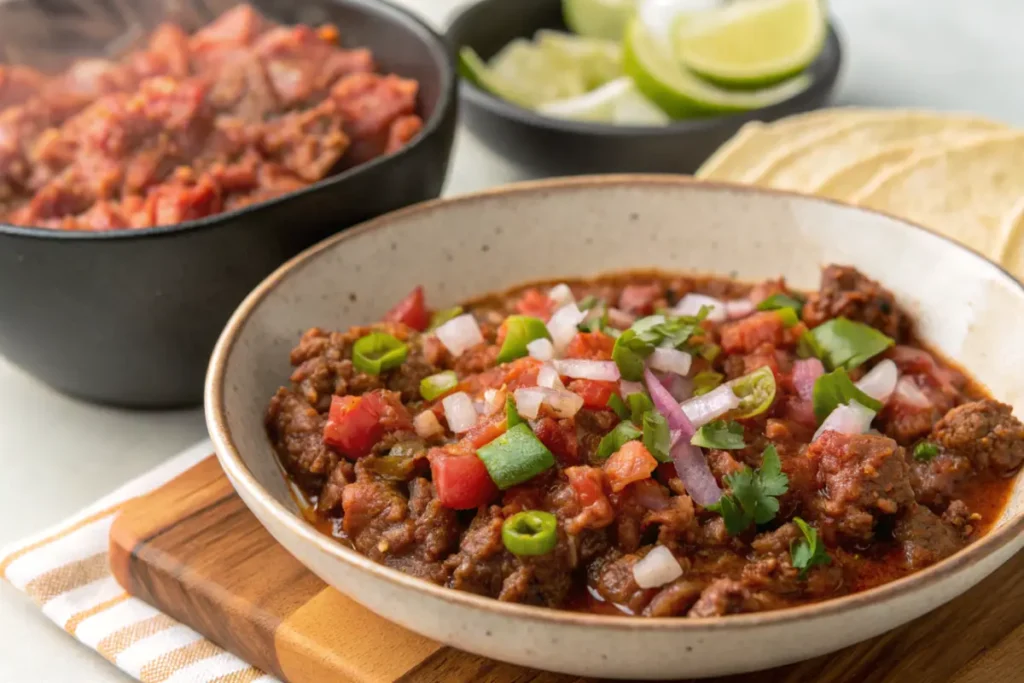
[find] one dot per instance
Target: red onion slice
(852, 418)
(459, 411)
(908, 392)
(880, 382)
(700, 410)
(541, 349)
(670, 360)
(603, 370)
(459, 334)
(688, 459)
(657, 568)
(681, 388)
(805, 373)
(562, 325)
(692, 303)
(619, 319)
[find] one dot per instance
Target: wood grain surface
(193, 550)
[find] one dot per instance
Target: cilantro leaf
(640, 340)
(843, 343)
(588, 302)
(779, 301)
(808, 551)
(639, 403)
(629, 353)
(657, 439)
(705, 381)
(719, 434)
(619, 406)
(835, 389)
(753, 495)
(925, 451)
(623, 433)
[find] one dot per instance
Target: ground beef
(986, 433)
(771, 569)
(925, 539)
(935, 481)
(863, 477)
(728, 596)
(845, 292)
(296, 431)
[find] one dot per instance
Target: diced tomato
(745, 335)
(353, 427)
(800, 411)
(639, 299)
(764, 356)
(356, 423)
(461, 481)
(486, 431)
(587, 483)
(412, 311)
(534, 303)
(630, 463)
(595, 393)
(560, 438)
(521, 372)
(591, 346)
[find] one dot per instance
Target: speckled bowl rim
(231, 461)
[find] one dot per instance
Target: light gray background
(59, 455)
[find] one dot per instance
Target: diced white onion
(852, 418)
(605, 370)
(739, 308)
(563, 403)
(692, 303)
(881, 381)
(619, 319)
(426, 424)
(561, 294)
(459, 411)
(459, 334)
(548, 377)
(703, 409)
(562, 325)
(909, 392)
(541, 349)
(657, 568)
(628, 387)
(494, 399)
(670, 360)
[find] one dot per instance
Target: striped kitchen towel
(65, 571)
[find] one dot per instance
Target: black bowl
(130, 317)
(547, 146)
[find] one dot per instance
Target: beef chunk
(728, 596)
(329, 501)
(924, 537)
(986, 433)
(675, 599)
(612, 578)
(771, 568)
(845, 292)
(934, 481)
(863, 477)
(296, 431)
(414, 534)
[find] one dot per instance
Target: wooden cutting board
(194, 551)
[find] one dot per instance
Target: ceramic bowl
(966, 307)
(547, 146)
(129, 317)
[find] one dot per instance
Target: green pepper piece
(788, 315)
(531, 532)
(657, 439)
(444, 315)
(639, 403)
(705, 381)
(438, 385)
(512, 416)
(377, 352)
(520, 330)
(755, 390)
(925, 451)
(515, 456)
(616, 403)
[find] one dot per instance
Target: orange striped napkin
(65, 571)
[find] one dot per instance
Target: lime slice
(617, 102)
(599, 60)
(680, 92)
(752, 43)
(598, 18)
(523, 74)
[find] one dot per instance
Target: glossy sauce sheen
(864, 565)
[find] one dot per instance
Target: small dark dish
(129, 317)
(549, 146)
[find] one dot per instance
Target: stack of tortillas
(961, 176)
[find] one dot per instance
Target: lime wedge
(680, 92)
(753, 43)
(598, 18)
(616, 102)
(599, 60)
(523, 74)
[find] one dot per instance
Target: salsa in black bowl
(128, 316)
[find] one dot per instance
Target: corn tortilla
(1011, 241)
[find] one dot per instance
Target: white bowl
(965, 306)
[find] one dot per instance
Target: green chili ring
(377, 352)
(533, 532)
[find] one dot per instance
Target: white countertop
(59, 454)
